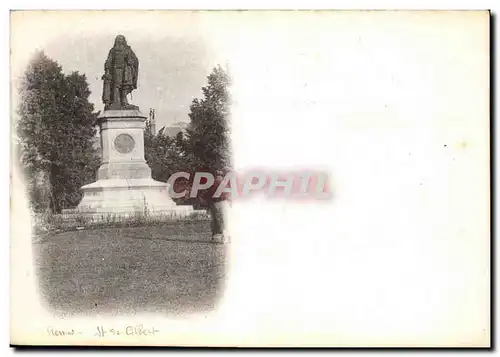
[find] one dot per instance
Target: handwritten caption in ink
(104, 331)
(136, 330)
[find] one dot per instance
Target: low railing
(73, 220)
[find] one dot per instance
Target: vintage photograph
(99, 130)
(250, 178)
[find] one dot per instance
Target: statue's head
(120, 40)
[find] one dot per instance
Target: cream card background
(395, 105)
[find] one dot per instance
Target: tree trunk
(53, 199)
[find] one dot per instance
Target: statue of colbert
(120, 75)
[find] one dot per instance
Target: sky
(171, 72)
(174, 61)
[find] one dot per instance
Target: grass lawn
(171, 268)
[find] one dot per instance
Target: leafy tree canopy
(56, 134)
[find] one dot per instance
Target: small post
(152, 121)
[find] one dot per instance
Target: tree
(208, 131)
(55, 132)
(204, 146)
(165, 155)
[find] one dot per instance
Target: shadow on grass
(172, 269)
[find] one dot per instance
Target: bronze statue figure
(120, 75)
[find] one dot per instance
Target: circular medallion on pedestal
(124, 143)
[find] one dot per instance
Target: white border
(187, 4)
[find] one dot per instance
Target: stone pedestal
(124, 185)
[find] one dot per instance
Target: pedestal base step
(128, 197)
